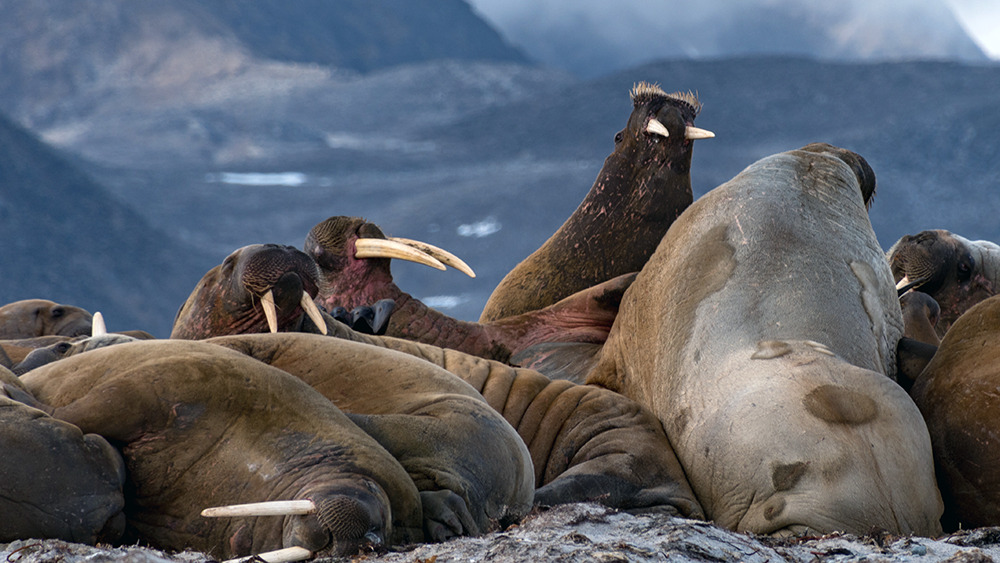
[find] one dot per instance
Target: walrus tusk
(906, 284)
(692, 132)
(98, 328)
(382, 248)
(657, 128)
(286, 555)
(270, 311)
(309, 306)
(271, 508)
(442, 255)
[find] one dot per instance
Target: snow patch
(445, 301)
(483, 228)
(258, 178)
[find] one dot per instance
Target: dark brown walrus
(354, 260)
(957, 394)
(586, 443)
(644, 185)
(955, 271)
(201, 426)
(57, 482)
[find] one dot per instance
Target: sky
(597, 36)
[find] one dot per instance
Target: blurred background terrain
(141, 142)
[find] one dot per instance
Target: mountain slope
(65, 238)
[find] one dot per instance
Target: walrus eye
(57, 312)
(964, 271)
(62, 347)
(619, 136)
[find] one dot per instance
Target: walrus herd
(753, 358)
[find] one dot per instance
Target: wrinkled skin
(57, 481)
(956, 272)
(448, 439)
(201, 426)
(957, 394)
(586, 443)
(762, 333)
(644, 185)
(227, 299)
(349, 282)
(40, 317)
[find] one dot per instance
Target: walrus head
(956, 272)
(354, 257)
(39, 317)
(858, 164)
(661, 128)
(258, 288)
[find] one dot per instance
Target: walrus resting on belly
(957, 394)
(586, 443)
(644, 185)
(762, 333)
(201, 426)
(40, 317)
(57, 482)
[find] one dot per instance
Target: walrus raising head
(644, 185)
(258, 288)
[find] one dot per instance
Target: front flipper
(446, 516)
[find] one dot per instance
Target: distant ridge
(63, 237)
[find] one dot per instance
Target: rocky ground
(582, 533)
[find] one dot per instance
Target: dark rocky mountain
(67, 239)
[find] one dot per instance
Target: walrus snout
(349, 519)
(858, 164)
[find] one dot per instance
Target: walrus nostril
(344, 517)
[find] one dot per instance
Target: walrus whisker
(98, 326)
(309, 306)
(442, 255)
(382, 248)
(270, 310)
(268, 508)
(656, 128)
(692, 132)
(286, 555)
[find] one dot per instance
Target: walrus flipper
(571, 361)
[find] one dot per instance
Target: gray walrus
(957, 394)
(644, 185)
(201, 426)
(40, 317)
(354, 255)
(762, 333)
(586, 443)
(57, 481)
(955, 271)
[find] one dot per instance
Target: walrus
(957, 394)
(202, 426)
(58, 483)
(955, 271)
(354, 258)
(644, 185)
(762, 333)
(40, 317)
(618, 455)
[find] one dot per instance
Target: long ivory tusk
(271, 508)
(98, 328)
(657, 128)
(692, 132)
(270, 311)
(286, 555)
(382, 248)
(442, 255)
(310, 308)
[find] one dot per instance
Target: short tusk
(98, 328)
(270, 311)
(902, 283)
(286, 555)
(657, 128)
(692, 132)
(382, 248)
(906, 284)
(442, 255)
(309, 306)
(271, 508)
